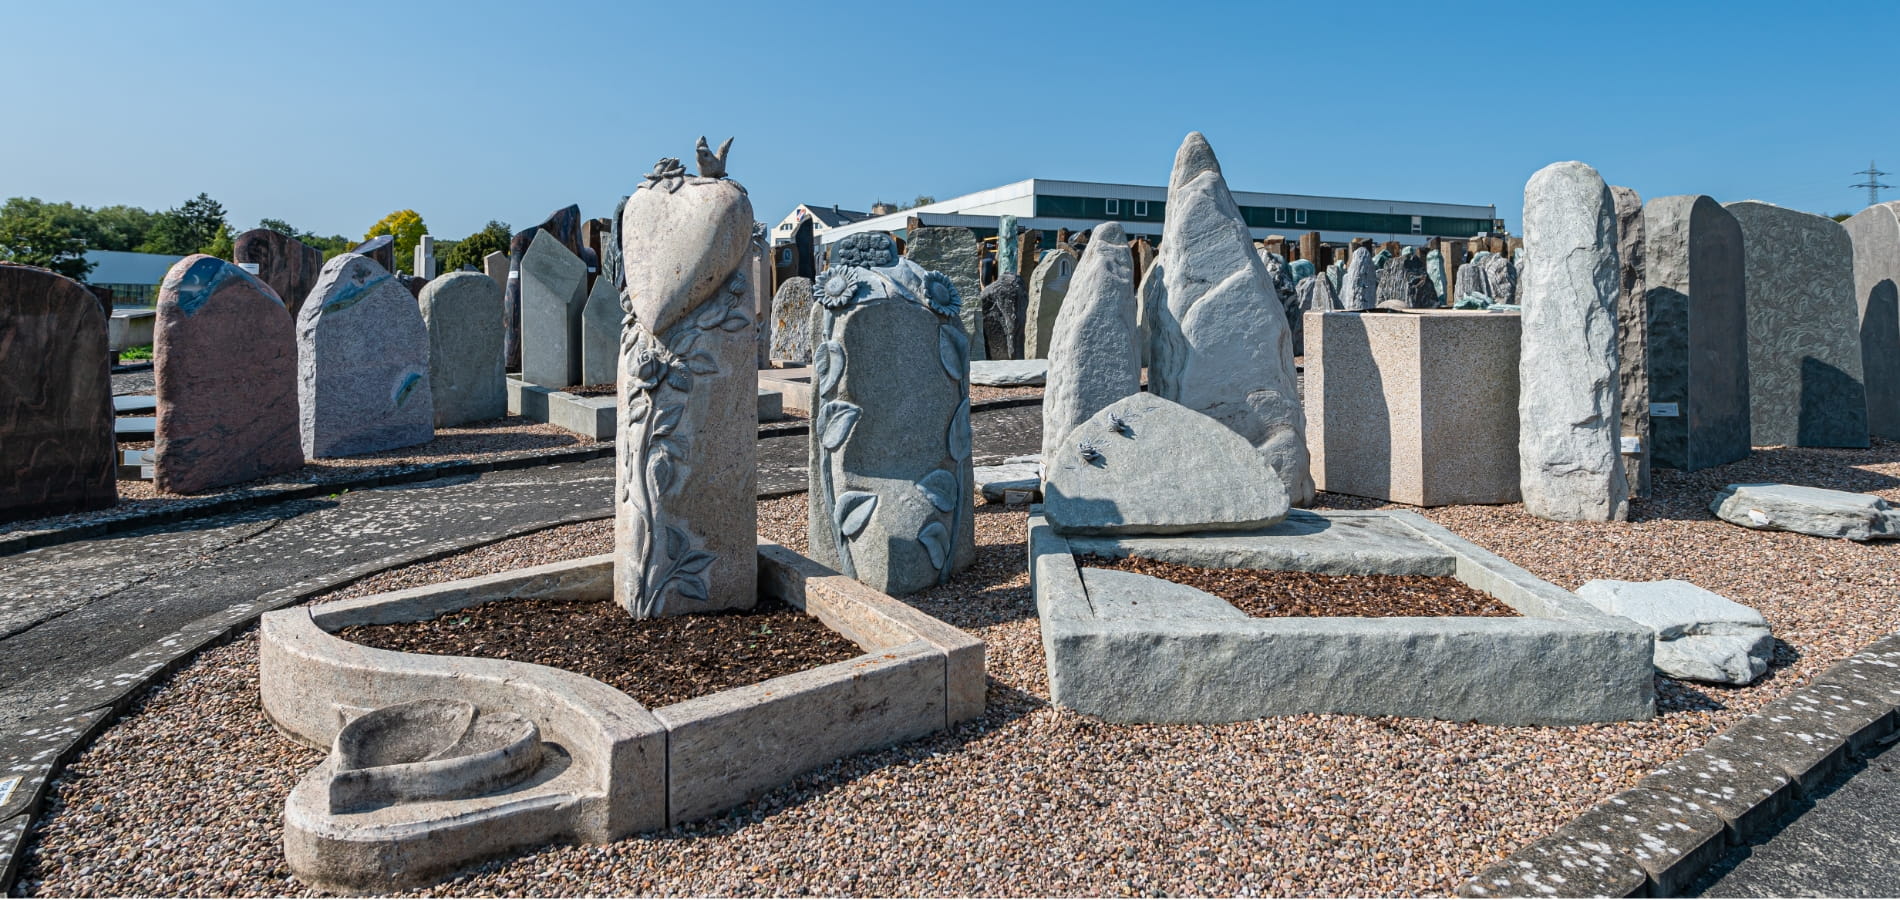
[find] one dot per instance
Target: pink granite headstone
(226, 370)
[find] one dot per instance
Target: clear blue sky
(330, 114)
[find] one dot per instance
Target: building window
(1112, 207)
(1279, 216)
(1141, 209)
(1418, 225)
(1299, 217)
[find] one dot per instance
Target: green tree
(118, 227)
(186, 229)
(281, 227)
(470, 250)
(406, 225)
(220, 245)
(48, 235)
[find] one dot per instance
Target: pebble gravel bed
(474, 442)
(185, 794)
(982, 392)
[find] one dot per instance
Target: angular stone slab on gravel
(1219, 340)
(1146, 464)
(1009, 372)
(1876, 235)
(288, 265)
(1570, 467)
(995, 481)
(1805, 386)
(601, 320)
(1095, 347)
(463, 313)
(225, 366)
(362, 363)
(56, 443)
(1698, 333)
(1808, 510)
(553, 294)
(1700, 635)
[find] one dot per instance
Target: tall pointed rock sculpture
(685, 513)
(1569, 464)
(1359, 288)
(1094, 358)
(890, 468)
(1219, 342)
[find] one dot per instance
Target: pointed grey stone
(1570, 467)
(362, 363)
(1698, 332)
(553, 295)
(1876, 234)
(1805, 385)
(1094, 359)
(600, 334)
(1220, 343)
(1048, 285)
(463, 312)
(1359, 287)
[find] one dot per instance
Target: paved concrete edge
(51, 745)
(793, 429)
(218, 505)
(1676, 823)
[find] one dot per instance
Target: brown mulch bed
(594, 390)
(655, 661)
(1267, 593)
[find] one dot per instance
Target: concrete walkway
(1845, 844)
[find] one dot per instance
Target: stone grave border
(36, 755)
(634, 768)
(1659, 837)
(247, 498)
(594, 416)
(1564, 661)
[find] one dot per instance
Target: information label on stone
(1632, 445)
(6, 788)
(1663, 410)
(249, 267)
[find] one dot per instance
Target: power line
(1872, 184)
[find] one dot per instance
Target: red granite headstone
(288, 265)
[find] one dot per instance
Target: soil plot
(655, 661)
(1269, 593)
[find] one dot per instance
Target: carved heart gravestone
(890, 469)
(56, 443)
(225, 369)
(685, 513)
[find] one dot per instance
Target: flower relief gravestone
(890, 474)
(685, 516)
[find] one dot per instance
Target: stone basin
(430, 749)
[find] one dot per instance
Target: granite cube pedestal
(1414, 406)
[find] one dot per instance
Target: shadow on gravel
(1674, 696)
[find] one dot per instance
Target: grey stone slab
(1807, 510)
(463, 313)
(362, 363)
(1570, 467)
(1047, 288)
(1005, 302)
(601, 322)
(553, 298)
(1695, 282)
(791, 321)
(1145, 464)
(1219, 340)
(1805, 384)
(1747, 793)
(1563, 864)
(1009, 372)
(1094, 348)
(953, 251)
(995, 482)
(1632, 338)
(1875, 232)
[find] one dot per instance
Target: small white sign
(514, 275)
(1663, 411)
(6, 789)
(148, 473)
(1632, 445)
(249, 267)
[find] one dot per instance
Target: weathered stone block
(1698, 333)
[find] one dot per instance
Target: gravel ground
(475, 441)
(982, 392)
(184, 796)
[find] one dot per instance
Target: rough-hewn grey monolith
(1805, 385)
(1359, 287)
(1698, 333)
(1876, 235)
(1632, 339)
(1220, 343)
(791, 321)
(1048, 286)
(1094, 353)
(1569, 465)
(953, 251)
